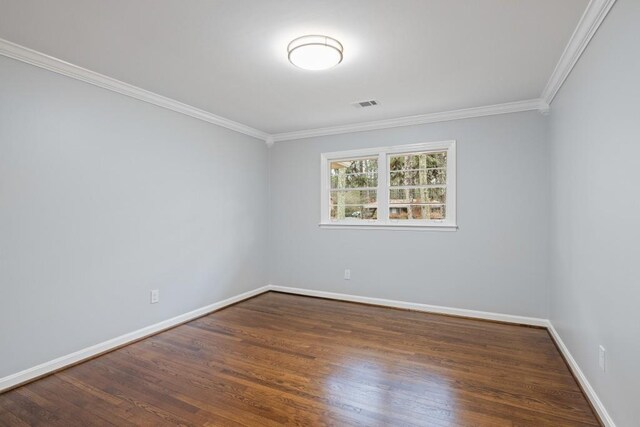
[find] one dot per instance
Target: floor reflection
(373, 386)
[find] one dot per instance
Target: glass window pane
(419, 212)
(418, 161)
(436, 160)
(396, 178)
(434, 176)
(369, 211)
(359, 180)
(418, 177)
(356, 173)
(353, 197)
(398, 212)
(354, 181)
(369, 164)
(423, 212)
(417, 195)
(437, 212)
(397, 163)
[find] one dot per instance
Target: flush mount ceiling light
(315, 52)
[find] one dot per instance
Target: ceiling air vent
(364, 104)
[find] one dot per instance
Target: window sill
(374, 226)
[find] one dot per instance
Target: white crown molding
(589, 23)
(59, 66)
(31, 374)
(269, 141)
(490, 110)
(38, 59)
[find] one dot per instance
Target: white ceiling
(228, 57)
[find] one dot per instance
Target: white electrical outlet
(347, 274)
(155, 296)
(602, 359)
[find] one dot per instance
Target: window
(354, 189)
(407, 186)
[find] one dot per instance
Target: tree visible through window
(354, 189)
(411, 185)
(418, 186)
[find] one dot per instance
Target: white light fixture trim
(315, 52)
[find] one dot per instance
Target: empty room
(319, 213)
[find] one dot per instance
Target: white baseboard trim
(582, 379)
(103, 347)
(509, 318)
(532, 321)
(89, 352)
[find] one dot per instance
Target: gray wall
(103, 198)
(595, 154)
(497, 260)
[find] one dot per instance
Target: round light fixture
(315, 52)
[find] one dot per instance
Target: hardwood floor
(280, 359)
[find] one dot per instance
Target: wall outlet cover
(155, 296)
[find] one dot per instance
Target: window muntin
(418, 186)
(354, 184)
(403, 186)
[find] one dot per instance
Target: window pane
(425, 212)
(356, 165)
(418, 161)
(353, 197)
(358, 173)
(369, 211)
(354, 181)
(437, 212)
(418, 177)
(399, 212)
(417, 195)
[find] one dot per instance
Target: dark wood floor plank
(280, 359)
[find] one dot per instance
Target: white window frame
(384, 154)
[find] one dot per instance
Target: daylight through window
(402, 186)
(354, 186)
